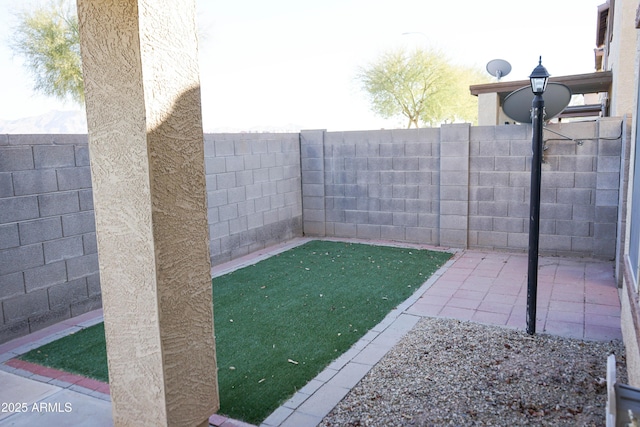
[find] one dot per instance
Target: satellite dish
(498, 68)
(517, 105)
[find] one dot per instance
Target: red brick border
(56, 374)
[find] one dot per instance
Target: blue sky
(287, 64)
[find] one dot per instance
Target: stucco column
(146, 147)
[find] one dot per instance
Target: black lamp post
(539, 78)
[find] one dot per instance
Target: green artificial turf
(83, 353)
(279, 322)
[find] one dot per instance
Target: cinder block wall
(254, 192)
(456, 186)
(466, 187)
(580, 188)
(48, 255)
(372, 184)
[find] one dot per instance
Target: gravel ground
(448, 372)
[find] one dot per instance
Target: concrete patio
(577, 298)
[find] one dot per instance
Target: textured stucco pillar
(146, 147)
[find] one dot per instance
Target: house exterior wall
(621, 58)
(457, 186)
(630, 299)
(629, 319)
(490, 111)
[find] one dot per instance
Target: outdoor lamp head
(539, 78)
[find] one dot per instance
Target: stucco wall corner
(630, 323)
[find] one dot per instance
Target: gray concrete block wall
(454, 185)
(463, 186)
(580, 219)
(499, 186)
(312, 164)
(48, 255)
(459, 186)
(580, 188)
(254, 192)
(377, 185)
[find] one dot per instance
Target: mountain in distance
(53, 122)
(75, 122)
(288, 128)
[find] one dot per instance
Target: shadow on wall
(152, 237)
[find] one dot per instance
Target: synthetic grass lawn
(83, 353)
(279, 322)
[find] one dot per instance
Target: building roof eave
(578, 83)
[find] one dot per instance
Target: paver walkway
(577, 298)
